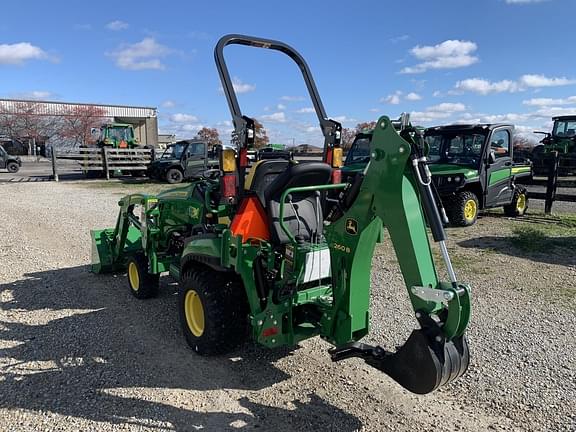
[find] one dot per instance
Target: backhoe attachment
(395, 190)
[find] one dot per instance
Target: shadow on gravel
(72, 341)
(541, 250)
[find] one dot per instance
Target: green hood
(447, 169)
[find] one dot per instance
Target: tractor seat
(262, 174)
(303, 213)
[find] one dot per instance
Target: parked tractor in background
(472, 169)
(115, 135)
(256, 255)
(563, 141)
(183, 160)
(9, 162)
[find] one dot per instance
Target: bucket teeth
(421, 365)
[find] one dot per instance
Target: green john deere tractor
(563, 141)
(259, 252)
(115, 135)
(472, 169)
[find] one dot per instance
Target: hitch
(421, 365)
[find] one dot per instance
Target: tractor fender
(203, 249)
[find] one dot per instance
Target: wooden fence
(104, 160)
(552, 183)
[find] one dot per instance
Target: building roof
(9, 106)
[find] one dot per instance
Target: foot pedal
(421, 365)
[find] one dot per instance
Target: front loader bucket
(102, 255)
(421, 365)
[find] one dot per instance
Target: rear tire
(213, 310)
(462, 209)
(519, 203)
(142, 284)
(13, 167)
(174, 176)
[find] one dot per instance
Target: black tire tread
(225, 310)
(169, 178)
(455, 208)
(510, 210)
(149, 283)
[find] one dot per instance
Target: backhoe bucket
(421, 365)
(102, 256)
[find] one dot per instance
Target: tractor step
(421, 365)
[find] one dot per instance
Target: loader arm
(392, 192)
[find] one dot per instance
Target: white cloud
(392, 99)
(306, 110)
(413, 97)
(448, 107)
(145, 54)
(449, 54)
(35, 94)
(524, 1)
(168, 104)
(292, 98)
(400, 38)
(280, 107)
(241, 87)
(374, 110)
(277, 117)
(543, 81)
(484, 87)
(343, 119)
(183, 118)
(18, 53)
(550, 102)
(117, 25)
(437, 112)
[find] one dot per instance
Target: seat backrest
(303, 216)
(262, 174)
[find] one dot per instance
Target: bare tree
(365, 125)
(348, 135)
(25, 122)
(78, 122)
(210, 136)
(260, 135)
(260, 139)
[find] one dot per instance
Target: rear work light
(228, 161)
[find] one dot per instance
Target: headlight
(449, 179)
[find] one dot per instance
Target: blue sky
(443, 61)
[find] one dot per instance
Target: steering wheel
(212, 174)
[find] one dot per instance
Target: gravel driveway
(78, 352)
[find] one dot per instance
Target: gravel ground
(78, 352)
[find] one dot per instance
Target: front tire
(519, 203)
(463, 209)
(174, 176)
(13, 167)
(213, 310)
(142, 284)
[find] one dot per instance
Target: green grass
(549, 233)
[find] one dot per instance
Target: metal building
(144, 119)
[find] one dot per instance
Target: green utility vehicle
(561, 140)
(472, 169)
(182, 160)
(256, 256)
(9, 162)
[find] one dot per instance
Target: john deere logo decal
(351, 226)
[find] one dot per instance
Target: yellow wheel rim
(133, 276)
(470, 210)
(521, 203)
(194, 313)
